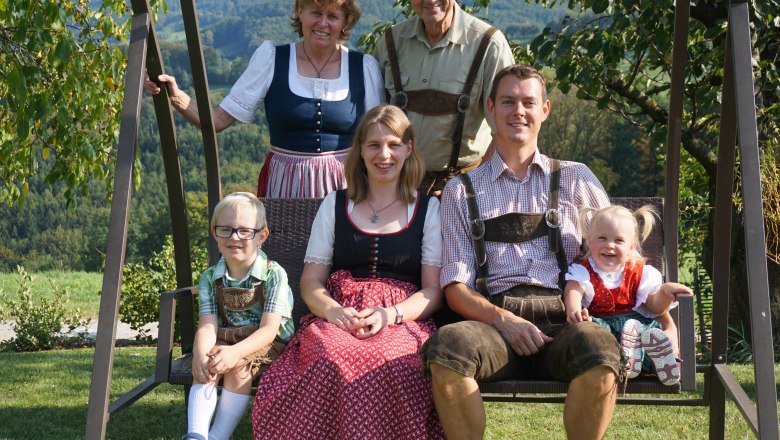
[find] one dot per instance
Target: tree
(61, 86)
(618, 55)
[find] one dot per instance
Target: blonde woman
(371, 281)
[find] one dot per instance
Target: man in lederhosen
(439, 66)
(512, 226)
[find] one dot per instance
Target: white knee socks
(203, 400)
(231, 409)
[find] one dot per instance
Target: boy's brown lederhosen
(237, 299)
(540, 305)
(436, 102)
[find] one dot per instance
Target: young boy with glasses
(245, 318)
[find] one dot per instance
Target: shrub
(142, 284)
(39, 322)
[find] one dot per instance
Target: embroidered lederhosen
(437, 102)
(542, 306)
(237, 299)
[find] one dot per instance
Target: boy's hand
(200, 372)
(222, 358)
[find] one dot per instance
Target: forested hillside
(46, 234)
(237, 27)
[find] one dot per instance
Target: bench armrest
(685, 325)
(167, 321)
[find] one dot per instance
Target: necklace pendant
(374, 217)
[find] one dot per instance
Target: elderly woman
(314, 92)
(371, 281)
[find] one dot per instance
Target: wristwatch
(399, 318)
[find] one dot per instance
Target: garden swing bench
(290, 221)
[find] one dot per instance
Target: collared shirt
(277, 292)
(445, 67)
(499, 191)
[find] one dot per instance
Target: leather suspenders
(516, 228)
(436, 102)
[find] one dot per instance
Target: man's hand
(524, 337)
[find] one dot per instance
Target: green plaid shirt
(277, 292)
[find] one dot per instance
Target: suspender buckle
(553, 218)
(401, 100)
(463, 103)
(477, 229)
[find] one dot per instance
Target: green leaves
(61, 86)
(599, 6)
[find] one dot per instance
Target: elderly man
(512, 226)
(438, 67)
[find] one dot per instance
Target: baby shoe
(659, 348)
(631, 344)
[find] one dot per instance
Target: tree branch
(660, 116)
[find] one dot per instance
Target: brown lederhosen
(544, 309)
(437, 102)
(237, 299)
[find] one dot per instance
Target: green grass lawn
(45, 395)
(83, 288)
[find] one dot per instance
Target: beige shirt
(445, 67)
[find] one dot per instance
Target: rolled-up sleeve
(458, 264)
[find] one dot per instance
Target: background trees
(60, 96)
(617, 55)
(61, 79)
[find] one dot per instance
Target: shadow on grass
(44, 395)
(141, 421)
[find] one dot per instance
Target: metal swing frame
(738, 127)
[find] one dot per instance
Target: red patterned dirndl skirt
(327, 384)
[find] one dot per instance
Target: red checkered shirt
(499, 192)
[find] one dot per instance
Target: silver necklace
(375, 215)
(319, 71)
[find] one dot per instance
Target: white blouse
(323, 232)
(649, 283)
(251, 88)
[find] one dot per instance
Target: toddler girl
(613, 287)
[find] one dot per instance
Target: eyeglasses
(243, 233)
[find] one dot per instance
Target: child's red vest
(621, 299)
